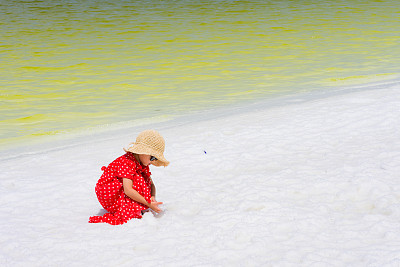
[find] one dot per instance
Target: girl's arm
(134, 195)
(153, 192)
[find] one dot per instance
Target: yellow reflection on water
(68, 65)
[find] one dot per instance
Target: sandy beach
(313, 182)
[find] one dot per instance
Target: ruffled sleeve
(126, 169)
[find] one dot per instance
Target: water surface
(70, 65)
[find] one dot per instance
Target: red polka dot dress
(110, 192)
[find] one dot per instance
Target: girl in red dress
(125, 189)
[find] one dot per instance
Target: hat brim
(146, 150)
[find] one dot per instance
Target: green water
(68, 65)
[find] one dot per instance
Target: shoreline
(124, 129)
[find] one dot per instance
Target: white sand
(309, 183)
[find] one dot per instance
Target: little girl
(125, 189)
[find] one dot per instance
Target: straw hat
(149, 142)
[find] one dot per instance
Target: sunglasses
(152, 158)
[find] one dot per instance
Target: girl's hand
(153, 199)
(154, 206)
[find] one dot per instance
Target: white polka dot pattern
(110, 192)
